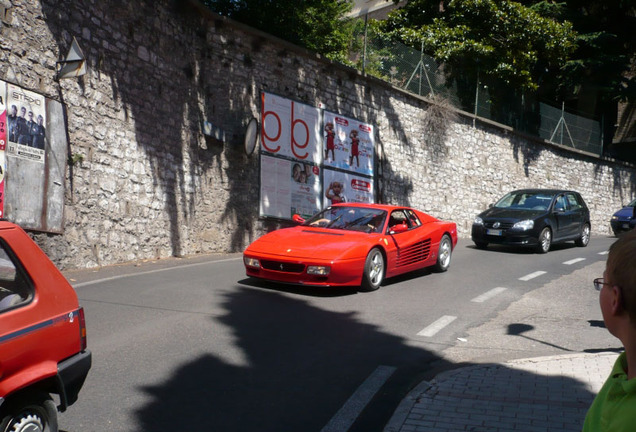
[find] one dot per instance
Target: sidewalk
(540, 394)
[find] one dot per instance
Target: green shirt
(614, 408)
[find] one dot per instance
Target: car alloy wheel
(585, 236)
(373, 270)
(545, 240)
(444, 254)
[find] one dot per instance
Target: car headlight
(614, 217)
(251, 262)
(478, 221)
(318, 270)
(524, 225)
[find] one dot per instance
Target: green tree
(318, 25)
(601, 70)
(509, 47)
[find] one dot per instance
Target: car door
(580, 214)
(565, 222)
(410, 250)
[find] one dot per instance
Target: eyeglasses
(599, 282)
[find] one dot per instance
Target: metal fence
(420, 74)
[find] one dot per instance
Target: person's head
(14, 110)
(336, 187)
(620, 279)
(22, 111)
(31, 115)
(296, 169)
(40, 119)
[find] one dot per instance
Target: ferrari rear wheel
(444, 254)
(373, 270)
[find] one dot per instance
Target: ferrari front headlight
(251, 262)
(318, 270)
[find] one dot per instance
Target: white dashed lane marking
(574, 261)
(532, 276)
(438, 325)
(350, 411)
(603, 253)
(488, 295)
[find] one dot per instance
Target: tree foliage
(508, 43)
(318, 25)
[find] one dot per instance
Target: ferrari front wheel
(373, 270)
(444, 254)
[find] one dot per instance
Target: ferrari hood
(308, 242)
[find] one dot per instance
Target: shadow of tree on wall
(164, 77)
(620, 177)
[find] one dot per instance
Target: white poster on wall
(290, 129)
(288, 187)
(290, 158)
(343, 186)
(26, 119)
(348, 144)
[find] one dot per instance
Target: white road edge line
(432, 329)
(526, 278)
(488, 295)
(347, 415)
(574, 261)
(603, 253)
(108, 279)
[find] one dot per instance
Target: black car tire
(31, 413)
(373, 270)
(585, 236)
(444, 254)
(545, 240)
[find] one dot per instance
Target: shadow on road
(301, 365)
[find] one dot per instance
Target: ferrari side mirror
(298, 218)
(400, 228)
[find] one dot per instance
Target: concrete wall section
(146, 183)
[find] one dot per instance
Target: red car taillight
(82, 322)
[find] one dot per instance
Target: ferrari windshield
(349, 218)
(526, 201)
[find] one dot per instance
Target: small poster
(348, 144)
(343, 187)
(26, 120)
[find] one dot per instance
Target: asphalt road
(187, 344)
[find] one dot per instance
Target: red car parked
(353, 245)
(42, 337)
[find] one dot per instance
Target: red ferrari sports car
(352, 245)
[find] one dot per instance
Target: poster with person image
(288, 187)
(348, 144)
(26, 120)
(342, 187)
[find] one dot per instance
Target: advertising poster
(3, 141)
(290, 158)
(348, 144)
(288, 187)
(26, 119)
(346, 187)
(290, 129)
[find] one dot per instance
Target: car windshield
(369, 220)
(526, 201)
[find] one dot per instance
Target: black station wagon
(534, 217)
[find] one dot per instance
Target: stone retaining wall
(147, 184)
